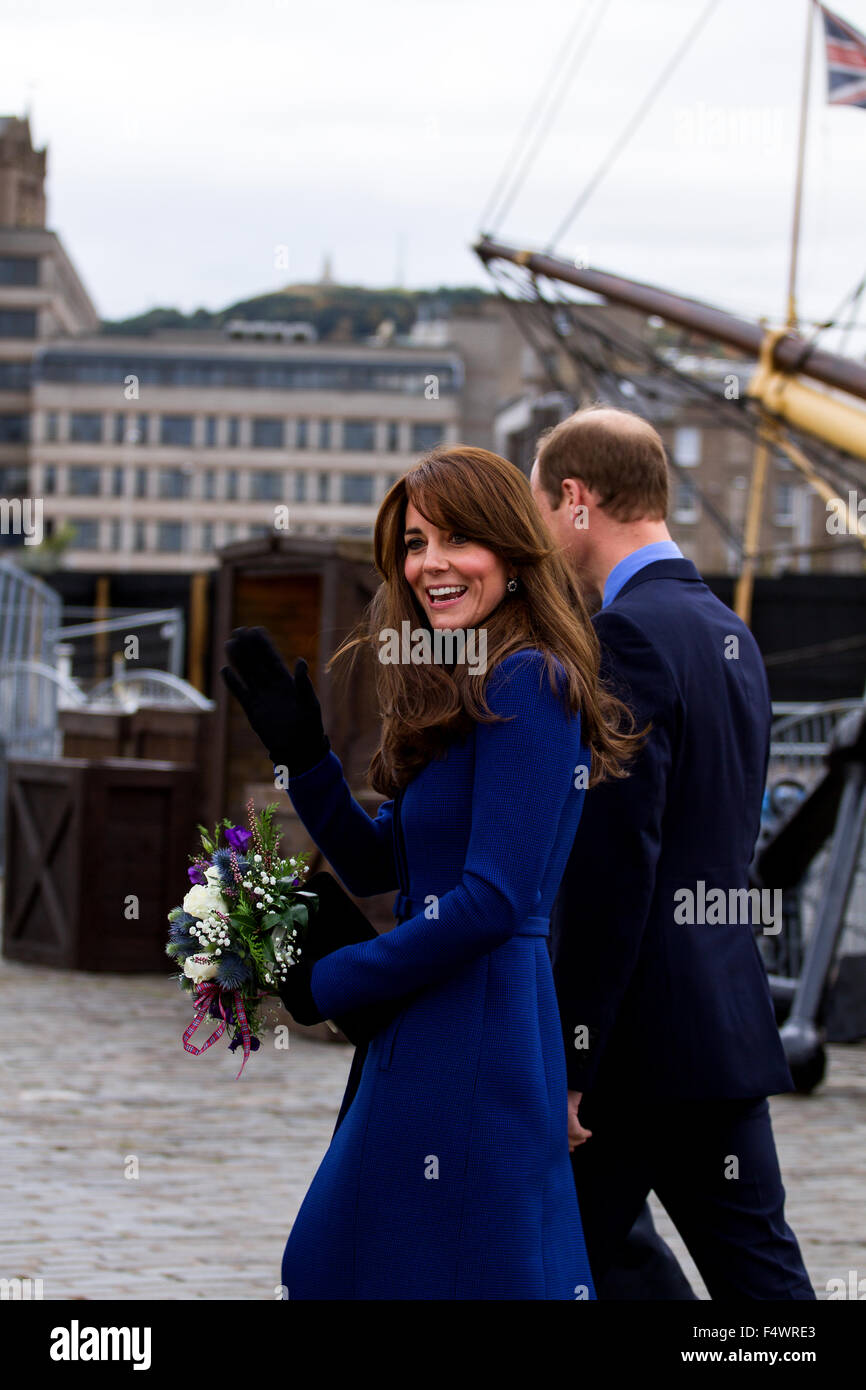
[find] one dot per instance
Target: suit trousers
(713, 1166)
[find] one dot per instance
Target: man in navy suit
(668, 1024)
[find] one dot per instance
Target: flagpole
(801, 154)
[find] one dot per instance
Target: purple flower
(238, 838)
(195, 874)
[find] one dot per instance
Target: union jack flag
(846, 61)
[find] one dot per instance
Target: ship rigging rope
(746, 416)
(518, 165)
(630, 128)
(530, 304)
(607, 374)
(742, 415)
(853, 297)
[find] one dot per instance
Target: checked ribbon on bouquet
(240, 928)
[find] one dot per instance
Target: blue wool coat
(450, 1176)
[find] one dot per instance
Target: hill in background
(339, 313)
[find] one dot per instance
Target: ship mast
(745, 585)
(801, 159)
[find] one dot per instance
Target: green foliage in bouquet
(242, 924)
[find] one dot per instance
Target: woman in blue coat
(449, 1177)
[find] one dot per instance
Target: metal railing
(29, 611)
(800, 737)
(799, 740)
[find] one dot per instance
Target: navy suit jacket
(650, 1005)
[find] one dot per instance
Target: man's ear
(572, 492)
(579, 495)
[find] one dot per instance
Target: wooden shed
(310, 593)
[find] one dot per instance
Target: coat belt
(405, 907)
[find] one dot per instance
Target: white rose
(212, 874)
(201, 967)
(203, 899)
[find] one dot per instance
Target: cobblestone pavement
(94, 1085)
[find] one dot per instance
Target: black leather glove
(359, 1025)
(336, 922)
(282, 711)
(297, 995)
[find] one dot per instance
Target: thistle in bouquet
(240, 928)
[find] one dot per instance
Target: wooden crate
(159, 733)
(83, 837)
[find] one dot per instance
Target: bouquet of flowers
(240, 928)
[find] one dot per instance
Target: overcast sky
(187, 139)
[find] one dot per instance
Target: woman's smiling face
(456, 581)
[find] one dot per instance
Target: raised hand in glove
(282, 709)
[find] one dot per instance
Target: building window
(115, 534)
(175, 429)
(391, 479)
(324, 434)
(686, 506)
(359, 435)
(302, 431)
(784, 504)
(119, 428)
(357, 487)
(231, 485)
(117, 479)
(141, 482)
(207, 537)
(266, 487)
(425, 437)
(85, 427)
(13, 480)
(687, 446)
(209, 485)
(234, 431)
(231, 531)
(137, 429)
(139, 540)
(14, 429)
(51, 427)
(49, 478)
(105, 365)
(267, 434)
(85, 534)
(15, 376)
(210, 431)
(259, 530)
(173, 482)
(17, 323)
(323, 487)
(392, 442)
(19, 270)
(84, 481)
(170, 536)
(300, 487)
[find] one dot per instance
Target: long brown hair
(426, 707)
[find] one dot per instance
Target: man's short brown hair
(615, 453)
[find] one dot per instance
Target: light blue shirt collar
(630, 564)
